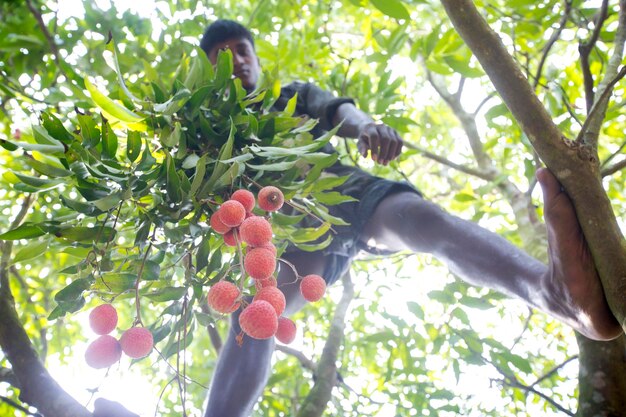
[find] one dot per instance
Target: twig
(18, 406)
(587, 133)
(613, 168)
(585, 48)
(553, 371)
(462, 168)
(555, 36)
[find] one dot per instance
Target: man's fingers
(549, 185)
(362, 146)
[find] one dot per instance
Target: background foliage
(416, 336)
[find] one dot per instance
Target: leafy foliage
(129, 145)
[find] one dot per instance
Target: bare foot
(576, 292)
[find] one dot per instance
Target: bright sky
(136, 390)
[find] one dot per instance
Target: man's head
(223, 34)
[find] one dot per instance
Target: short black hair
(222, 30)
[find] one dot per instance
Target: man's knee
(405, 221)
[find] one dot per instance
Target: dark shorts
(369, 191)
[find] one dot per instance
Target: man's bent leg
(405, 221)
(242, 371)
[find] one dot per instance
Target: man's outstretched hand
(572, 280)
(383, 142)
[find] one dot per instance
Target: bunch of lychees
(103, 352)
(262, 317)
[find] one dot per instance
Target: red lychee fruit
(223, 297)
(103, 352)
(229, 238)
(270, 198)
(274, 296)
(256, 231)
(217, 224)
(286, 332)
(137, 342)
(103, 319)
(246, 198)
(259, 320)
(262, 283)
(232, 213)
(312, 287)
(259, 263)
(270, 247)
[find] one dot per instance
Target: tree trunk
(602, 378)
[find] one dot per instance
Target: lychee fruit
(137, 342)
(274, 296)
(103, 352)
(232, 213)
(246, 198)
(312, 287)
(256, 231)
(223, 297)
(230, 237)
(262, 283)
(270, 247)
(217, 224)
(259, 263)
(259, 320)
(103, 319)
(270, 198)
(286, 332)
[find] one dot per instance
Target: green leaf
(30, 251)
(174, 191)
(73, 291)
(133, 145)
(87, 234)
(24, 231)
(116, 282)
(110, 107)
(314, 247)
(167, 294)
(392, 8)
(175, 103)
(277, 166)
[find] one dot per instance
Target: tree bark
(37, 387)
(602, 381)
(316, 401)
(575, 164)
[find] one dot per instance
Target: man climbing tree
(390, 216)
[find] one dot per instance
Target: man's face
(246, 65)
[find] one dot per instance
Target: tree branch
(46, 33)
(326, 374)
(591, 129)
(574, 164)
(555, 36)
(461, 168)
(18, 406)
(38, 388)
(585, 48)
(553, 370)
(610, 170)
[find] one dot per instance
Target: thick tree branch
(326, 374)
(38, 388)
(574, 164)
